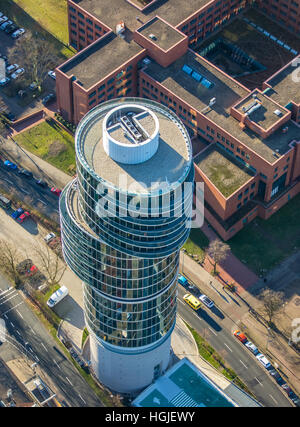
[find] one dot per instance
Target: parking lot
(27, 101)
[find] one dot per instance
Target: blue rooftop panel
(187, 69)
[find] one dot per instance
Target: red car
(31, 271)
(240, 336)
(23, 217)
(56, 191)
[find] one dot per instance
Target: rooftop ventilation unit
(152, 36)
(131, 129)
(254, 108)
(278, 113)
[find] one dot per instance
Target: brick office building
(250, 163)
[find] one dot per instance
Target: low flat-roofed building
(12, 392)
(100, 59)
(185, 385)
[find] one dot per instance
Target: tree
(38, 57)
(50, 264)
(218, 251)
(272, 304)
(10, 257)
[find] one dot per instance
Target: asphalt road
(208, 322)
(23, 327)
(26, 189)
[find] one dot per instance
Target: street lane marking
(212, 331)
(24, 191)
(44, 203)
(42, 344)
(11, 292)
(12, 324)
(81, 398)
(69, 381)
(243, 364)
(258, 381)
(273, 398)
(5, 316)
(7, 180)
(32, 331)
(57, 364)
(19, 314)
(7, 290)
(18, 333)
(228, 347)
(9, 299)
(12, 308)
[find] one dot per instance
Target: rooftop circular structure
(123, 224)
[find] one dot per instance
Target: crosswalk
(8, 295)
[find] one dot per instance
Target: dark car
(26, 173)
(48, 98)
(10, 165)
(11, 29)
(41, 183)
(280, 380)
(10, 116)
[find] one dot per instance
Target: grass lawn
(50, 142)
(264, 244)
(48, 19)
(196, 243)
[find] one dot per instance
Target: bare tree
(218, 251)
(50, 264)
(10, 258)
(38, 57)
(272, 304)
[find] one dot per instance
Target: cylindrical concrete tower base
(128, 372)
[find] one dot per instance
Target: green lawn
(266, 244)
(47, 18)
(50, 142)
(196, 243)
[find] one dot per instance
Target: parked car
(26, 173)
(41, 183)
(49, 237)
(5, 81)
(23, 217)
(11, 29)
(33, 86)
(17, 213)
(56, 191)
(48, 98)
(5, 25)
(57, 296)
(263, 360)
(206, 301)
(240, 336)
(18, 33)
(182, 280)
(3, 19)
(18, 73)
(10, 165)
(11, 68)
(287, 389)
(52, 75)
(252, 347)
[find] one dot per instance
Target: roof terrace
(225, 173)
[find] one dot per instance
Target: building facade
(123, 221)
(155, 58)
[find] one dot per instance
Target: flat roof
(264, 114)
(225, 173)
(227, 93)
(168, 165)
(100, 59)
(184, 385)
(165, 35)
(284, 88)
(113, 11)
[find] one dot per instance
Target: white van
(57, 296)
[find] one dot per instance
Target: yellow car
(192, 301)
